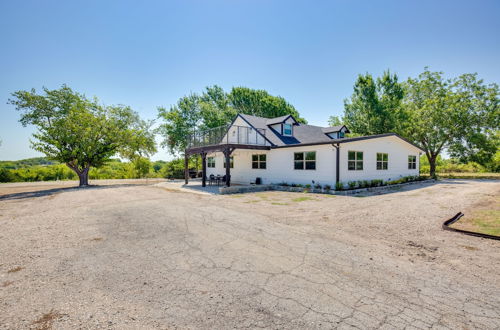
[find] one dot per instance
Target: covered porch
(226, 149)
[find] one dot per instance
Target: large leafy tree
(260, 103)
(214, 108)
(178, 122)
(375, 105)
(79, 131)
(448, 113)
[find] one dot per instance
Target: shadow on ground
(53, 191)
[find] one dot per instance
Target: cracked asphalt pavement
(140, 256)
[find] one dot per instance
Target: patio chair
(211, 179)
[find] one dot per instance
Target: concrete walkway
(192, 187)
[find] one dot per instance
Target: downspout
(337, 160)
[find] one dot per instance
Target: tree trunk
(432, 166)
(84, 177)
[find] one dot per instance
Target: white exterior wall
(397, 150)
(280, 163)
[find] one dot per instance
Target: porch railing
(229, 134)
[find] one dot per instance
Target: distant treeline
(42, 169)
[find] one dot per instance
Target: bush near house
(357, 184)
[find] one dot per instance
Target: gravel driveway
(139, 256)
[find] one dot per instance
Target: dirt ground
(139, 256)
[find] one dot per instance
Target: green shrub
(317, 186)
(339, 186)
(351, 184)
(327, 187)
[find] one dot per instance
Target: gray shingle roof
(302, 133)
(333, 129)
(277, 120)
(307, 134)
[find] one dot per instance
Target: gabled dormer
(283, 125)
(336, 132)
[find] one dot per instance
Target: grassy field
(485, 218)
(458, 175)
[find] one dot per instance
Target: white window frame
(304, 161)
(291, 129)
(412, 162)
(355, 160)
(382, 161)
(259, 162)
(211, 161)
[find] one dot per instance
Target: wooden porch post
(227, 153)
(203, 169)
(186, 168)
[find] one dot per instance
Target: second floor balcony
(228, 134)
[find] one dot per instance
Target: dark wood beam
(186, 168)
(227, 154)
(204, 169)
(222, 147)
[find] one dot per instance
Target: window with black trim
(304, 160)
(382, 161)
(412, 162)
(231, 162)
(259, 161)
(210, 161)
(287, 129)
(355, 160)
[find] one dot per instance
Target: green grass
(484, 219)
(279, 203)
(458, 175)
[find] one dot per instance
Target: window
(231, 162)
(382, 161)
(412, 162)
(341, 134)
(211, 162)
(287, 129)
(355, 160)
(304, 160)
(259, 161)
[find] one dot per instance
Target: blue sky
(149, 53)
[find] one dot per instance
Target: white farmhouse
(276, 150)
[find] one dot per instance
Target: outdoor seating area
(216, 180)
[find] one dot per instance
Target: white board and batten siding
(280, 163)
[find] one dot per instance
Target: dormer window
(341, 134)
(287, 129)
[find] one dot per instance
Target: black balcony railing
(229, 134)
